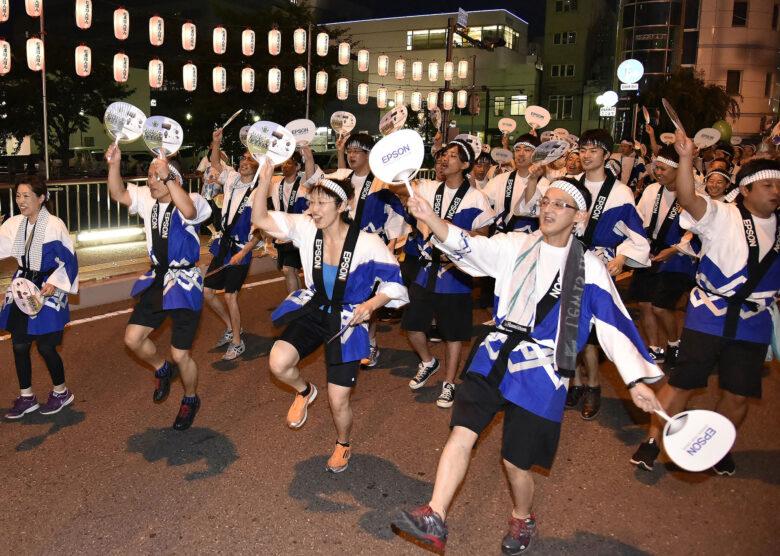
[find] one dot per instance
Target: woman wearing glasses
(341, 264)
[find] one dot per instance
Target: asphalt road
(109, 476)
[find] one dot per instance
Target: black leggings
(48, 351)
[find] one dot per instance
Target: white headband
(575, 193)
(668, 161)
(336, 188)
(760, 175)
(358, 144)
(599, 144)
(524, 144)
(468, 151)
(718, 172)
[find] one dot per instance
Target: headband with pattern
(760, 175)
(595, 142)
(460, 143)
(523, 144)
(357, 143)
(718, 172)
(572, 190)
(336, 188)
(668, 161)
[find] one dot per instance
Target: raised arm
(260, 217)
(340, 148)
(181, 199)
(216, 159)
(686, 189)
(116, 185)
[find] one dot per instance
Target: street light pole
(308, 68)
(446, 113)
(43, 89)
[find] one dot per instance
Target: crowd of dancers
(545, 243)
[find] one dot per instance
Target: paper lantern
(121, 67)
(83, 14)
(155, 73)
(274, 42)
(219, 39)
(5, 8)
(342, 88)
(5, 57)
(321, 83)
(462, 98)
(189, 75)
(433, 71)
(416, 101)
(248, 42)
(299, 77)
(449, 69)
(189, 33)
(156, 30)
(83, 60)
(433, 99)
(35, 54)
(34, 7)
(344, 52)
(299, 40)
(400, 68)
(362, 62)
(219, 79)
(399, 97)
(447, 99)
(382, 65)
(417, 71)
(322, 43)
(121, 23)
(463, 69)
(381, 97)
(274, 79)
(362, 93)
(247, 80)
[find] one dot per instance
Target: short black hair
(529, 138)
(346, 185)
(600, 137)
(361, 140)
(667, 151)
(724, 147)
(297, 158)
(465, 153)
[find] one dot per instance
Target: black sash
(293, 196)
(598, 207)
(438, 199)
(160, 248)
(361, 198)
(27, 272)
(658, 243)
(503, 224)
(756, 269)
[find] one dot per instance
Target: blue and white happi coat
(53, 255)
(723, 270)
(240, 234)
(383, 212)
(183, 286)
(532, 380)
(371, 262)
(473, 213)
(495, 191)
(300, 205)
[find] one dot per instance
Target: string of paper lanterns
(189, 35)
(5, 10)
(83, 14)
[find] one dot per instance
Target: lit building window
(498, 106)
(517, 105)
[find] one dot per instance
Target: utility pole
(308, 68)
(43, 90)
(451, 22)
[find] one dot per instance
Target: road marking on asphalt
(125, 311)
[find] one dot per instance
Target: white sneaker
(233, 351)
(372, 359)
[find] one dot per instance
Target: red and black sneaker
(424, 524)
(162, 384)
(518, 538)
(186, 414)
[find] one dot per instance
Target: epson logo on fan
(694, 447)
(392, 155)
(300, 131)
(344, 266)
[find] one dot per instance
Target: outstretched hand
(420, 208)
(113, 155)
(644, 398)
(266, 172)
(683, 145)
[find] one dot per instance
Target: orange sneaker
(339, 461)
(296, 416)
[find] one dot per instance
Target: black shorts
(527, 439)
(287, 255)
(451, 310)
(661, 289)
(229, 279)
(312, 330)
(739, 363)
(410, 267)
(185, 321)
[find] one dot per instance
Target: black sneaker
(573, 395)
(424, 372)
(726, 466)
(657, 355)
(518, 538)
(671, 354)
(645, 455)
(591, 402)
(162, 384)
(424, 524)
(186, 415)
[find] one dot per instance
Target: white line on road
(125, 311)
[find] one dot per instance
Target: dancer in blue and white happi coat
(341, 265)
(41, 245)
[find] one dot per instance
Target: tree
(697, 103)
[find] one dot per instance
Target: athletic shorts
(527, 439)
(739, 363)
(451, 310)
(661, 289)
(185, 321)
(287, 255)
(309, 332)
(229, 279)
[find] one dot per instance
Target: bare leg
(420, 344)
(137, 339)
(673, 401)
(649, 323)
(590, 362)
(453, 464)
(231, 299)
(187, 369)
(291, 279)
(282, 361)
(372, 328)
(522, 484)
(733, 406)
(668, 322)
(210, 296)
(338, 397)
(452, 361)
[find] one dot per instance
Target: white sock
(429, 363)
(64, 389)
(676, 343)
